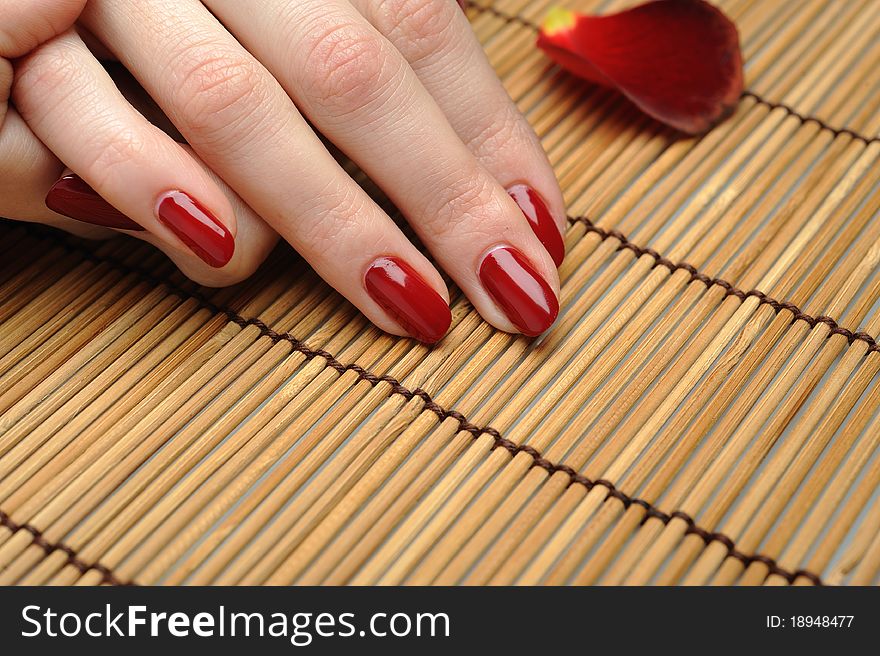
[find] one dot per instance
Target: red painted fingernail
(196, 227)
(521, 293)
(543, 225)
(462, 4)
(73, 198)
(403, 294)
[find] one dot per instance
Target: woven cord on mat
(665, 431)
(443, 413)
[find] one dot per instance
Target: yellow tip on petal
(558, 20)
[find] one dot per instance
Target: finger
(29, 172)
(243, 125)
(97, 48)
(28, 23)
(71, 196)
(27, 167)
(360, 92)
(254, 237)
(127, 160)
(436, 39)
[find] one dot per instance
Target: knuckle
(424, 26)
(464, 202)
(495, 136)
(343, 210)
(217, 89)
(346, 68)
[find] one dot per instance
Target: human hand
(401, 86)
(28, 169)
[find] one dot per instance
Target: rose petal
(678, 60)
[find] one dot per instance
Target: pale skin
(400, 86)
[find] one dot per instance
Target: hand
(401, 86)
(28, 169)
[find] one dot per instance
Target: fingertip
(70, 196)
(542, 222)
(197, 227)
(408, 299)
(519, 289)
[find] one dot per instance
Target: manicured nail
(543, 225)
(462, 4)
(521, 293)
(72, 197)
(403, 294)
(196, 227)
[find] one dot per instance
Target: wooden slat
(705, 411)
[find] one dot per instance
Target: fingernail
(73, 198)
(462, 4)
(521, 293)
(403, 294)
(196, 227)
(543, 225)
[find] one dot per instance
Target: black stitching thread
(507, 18)
(803, 118)
(729, 289)
(107, 576)
(464, 424)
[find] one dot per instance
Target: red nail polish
(543, 225)
(197, 228)
(522, 294)
(73, 198)
(403, 294)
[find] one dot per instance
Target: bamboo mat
(704, 411)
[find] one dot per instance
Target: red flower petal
(678, 60)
